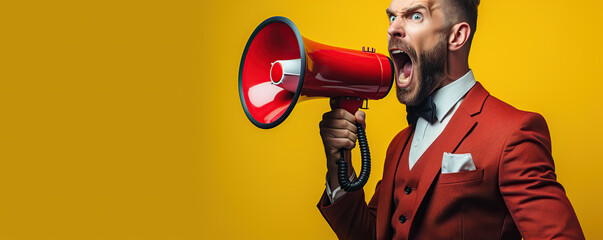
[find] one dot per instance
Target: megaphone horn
(280, 67)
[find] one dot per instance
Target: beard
(430, 65)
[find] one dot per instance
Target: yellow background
(121, 119)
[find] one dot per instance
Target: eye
(392, 18)
(416, 16)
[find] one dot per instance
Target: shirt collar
(448, 96)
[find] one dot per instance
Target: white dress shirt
(447, 100)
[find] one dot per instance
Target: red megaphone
(280, 67)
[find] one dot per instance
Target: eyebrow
(389, 12)
(410, 9)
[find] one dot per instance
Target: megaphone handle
(351, 104)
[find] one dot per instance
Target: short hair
(465, 11)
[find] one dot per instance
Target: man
(473, 168)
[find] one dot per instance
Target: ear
(459, 35)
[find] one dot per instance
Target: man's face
(418, 47)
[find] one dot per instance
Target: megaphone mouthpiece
(285, 73)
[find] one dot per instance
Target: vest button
(402, 219)
(407, 190)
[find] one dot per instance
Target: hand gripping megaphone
(279, 67)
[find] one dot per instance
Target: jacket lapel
(448, 141)
(458, 128)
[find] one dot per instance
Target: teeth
(397, 51)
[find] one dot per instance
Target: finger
(338, 133)
(360, 118)
(339, 114)
(338, 143)
(337, 124)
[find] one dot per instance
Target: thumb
(360, 118)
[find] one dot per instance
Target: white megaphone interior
(285, 73)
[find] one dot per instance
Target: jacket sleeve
(350, 217)
(527, 182)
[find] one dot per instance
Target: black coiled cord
(365, 171)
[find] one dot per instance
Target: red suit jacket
(512, 194)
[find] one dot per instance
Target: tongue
(407, 69)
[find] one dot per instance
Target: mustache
(404, 46)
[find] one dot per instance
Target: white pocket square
(453, 163)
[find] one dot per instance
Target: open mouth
(404, 68)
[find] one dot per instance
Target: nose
(396, 29)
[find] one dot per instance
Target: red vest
(405, 196)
